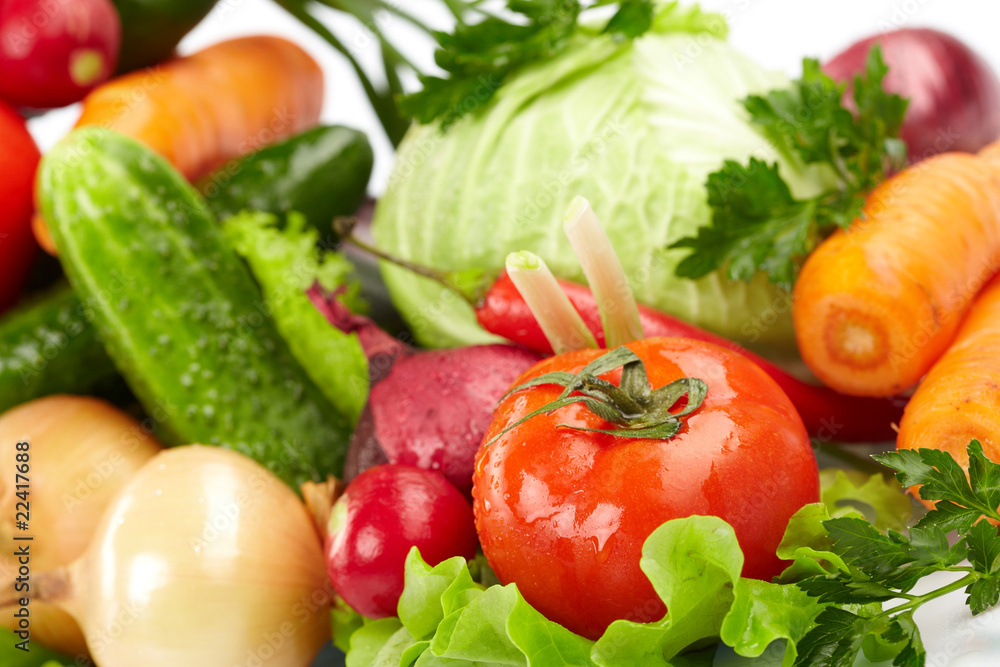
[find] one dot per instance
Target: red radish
(954, 95)
(426, 408)
(382, 514)
(53, 53)
(18, 159)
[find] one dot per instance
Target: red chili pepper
(828, 415)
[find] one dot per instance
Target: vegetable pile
(225, 440)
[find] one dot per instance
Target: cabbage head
(635, 127)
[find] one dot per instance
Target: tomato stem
(632, 406)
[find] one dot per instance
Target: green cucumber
(152, 28)
(321, 174)
(49, 347)
(178, 311)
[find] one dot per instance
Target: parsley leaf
(478, 56)
(875, 567)
(834, 641)
(903, 629)
(757, 224)
(984, 547)
(634, 17)
(861, 546)
(929, 547)
(941, 478)
(983, 594)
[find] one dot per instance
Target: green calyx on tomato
(563, 507)
(640, 411)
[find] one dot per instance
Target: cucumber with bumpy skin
(321, 173)
(178, 311)
(49, 347)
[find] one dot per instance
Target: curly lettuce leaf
(693, 565)
(825, 609)
(446, 617)
(286, 262)
(881, 499)
(807, 544)
(381, 642)
(344, 622)
(763, 613)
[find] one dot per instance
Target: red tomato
(383, 513)
(18, 160)
(564, 512)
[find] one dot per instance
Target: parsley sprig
(757, 224)
(478, 56)
(486, 45)
(866, 567)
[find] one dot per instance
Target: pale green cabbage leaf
(635, 127)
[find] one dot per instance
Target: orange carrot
(210, 107)
(959, 399)
(214, 105)
(878, 304)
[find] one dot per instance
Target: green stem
(395, 126)
(391, 73)
(959, 584)
(838, 163)
(345, 230)
(388, 47)
(397, 9)
(457, 9)
(560, 321)
(603, 269)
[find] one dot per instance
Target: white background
(777, 33)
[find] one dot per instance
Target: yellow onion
(204, 559)
(81, 452)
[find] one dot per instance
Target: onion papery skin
(82, 452)
(204, 559)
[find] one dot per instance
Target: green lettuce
(455, 613)
(880, 499)
(446, 617)
(286, 262)
(636, 127)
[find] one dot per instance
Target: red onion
(954, 94)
